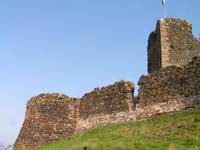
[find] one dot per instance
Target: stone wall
(183, 45)
(49, 117)
(154, 53)
(172, 43)
(106, 105)
(107, 100)
(52, 117)
(170, 84)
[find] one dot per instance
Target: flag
(163, 3)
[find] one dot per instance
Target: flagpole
(164, 8)
(165, 11)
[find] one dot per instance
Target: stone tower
(172, 43)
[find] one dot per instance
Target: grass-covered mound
(173, 131)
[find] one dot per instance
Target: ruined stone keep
(172, 43)
(173, 84)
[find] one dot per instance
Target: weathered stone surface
(154, 50)
(49, 117)
(170, 83)
(172, 43)
(107, 100)
(106, 105)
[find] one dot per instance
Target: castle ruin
(172, 43)
(173, 84)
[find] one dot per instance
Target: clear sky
(73, 46)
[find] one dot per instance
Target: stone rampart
(107, 100)
(49, 117)
(106, 105)
(170, 84)
(173, 85)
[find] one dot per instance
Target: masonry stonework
(107, 100)
(106, 105)
(173, 85)
(172, 43)
(154, 50)
(49, 117)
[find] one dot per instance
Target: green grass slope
(173, 131)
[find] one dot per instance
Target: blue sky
(73, 46)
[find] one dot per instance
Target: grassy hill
(173, 131)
